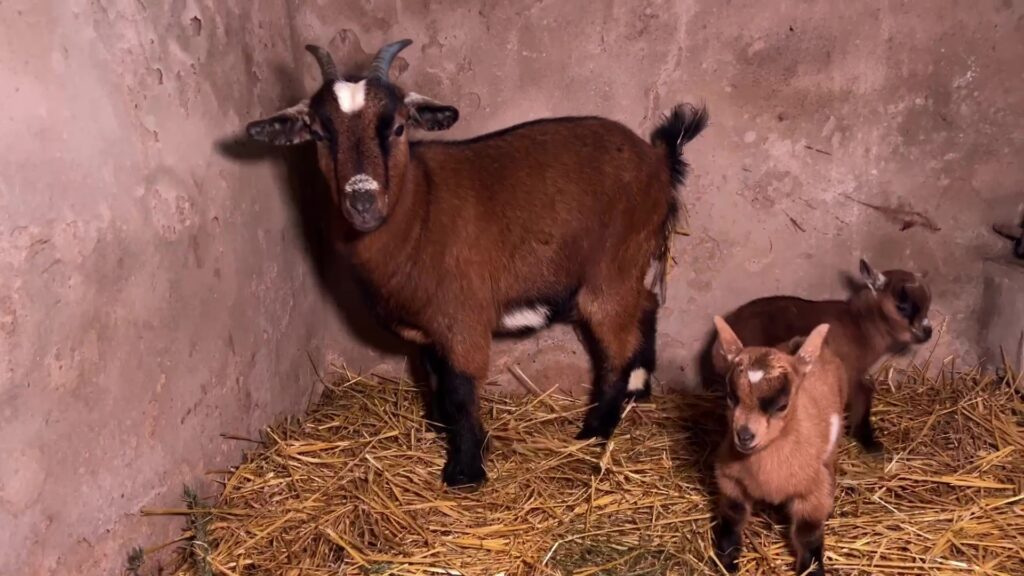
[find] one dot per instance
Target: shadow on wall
(309, 198)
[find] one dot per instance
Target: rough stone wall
(159, 287)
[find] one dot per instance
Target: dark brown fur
(889, 313)
(788, 403)
(567, 213)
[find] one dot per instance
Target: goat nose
(361, 201)
(745, 436)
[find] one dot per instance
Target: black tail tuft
(685, 123)
(682, 125)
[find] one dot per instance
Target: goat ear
(728, 341)
(874, 279)
(809, 351)
(289, 126)
(429, 114)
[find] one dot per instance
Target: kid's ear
(874, 279)
(811, 348)
(728, 342)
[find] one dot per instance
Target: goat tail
(678, 128)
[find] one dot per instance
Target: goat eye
(399, 130)
(781, 407)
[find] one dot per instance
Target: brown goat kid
(885, 316)
(785, 419)
(557, 219)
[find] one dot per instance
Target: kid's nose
(744, 437)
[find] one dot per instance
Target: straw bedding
(354, 488)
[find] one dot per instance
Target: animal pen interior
(177, 306)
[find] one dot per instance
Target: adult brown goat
(563, 218)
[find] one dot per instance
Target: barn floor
(354, 488)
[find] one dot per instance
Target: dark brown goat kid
(885, 316)
(556, 219)
(785, 418)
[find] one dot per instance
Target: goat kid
(885, 316)
(563, 218)
(785, 411)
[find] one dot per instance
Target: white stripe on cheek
(351, 96)
(637, 379)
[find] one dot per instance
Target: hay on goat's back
(354, 487)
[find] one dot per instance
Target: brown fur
(791, 462)
(863, 329)
(569, 213)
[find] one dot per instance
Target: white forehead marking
(833, 433)
(351, 96)
(522, 318)
(755, 376)
(637, 378)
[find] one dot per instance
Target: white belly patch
(528, 317)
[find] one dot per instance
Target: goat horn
(385, 56)
(327, 68)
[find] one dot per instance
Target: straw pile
(354, 488)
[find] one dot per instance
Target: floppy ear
(811, 348)
(728, 342)
(874, 279)
(289, 126)
(428, 114)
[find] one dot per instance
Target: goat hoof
(874, 448)
(595, 431)
(818, 570)
(463, 476)
(639, 395)
(730, 561)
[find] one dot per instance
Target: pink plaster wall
(157, 287)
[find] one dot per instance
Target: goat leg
(638, 385)
(809, 546)
(732, 516)
(433, 366)
(459, 411)
(604, 416)
(861, 395)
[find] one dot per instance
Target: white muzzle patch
(534, 317)
(637, 379)
(351, 95)
(361, 183)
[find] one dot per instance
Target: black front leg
(458, 409)
(732, 515)
(809, 545)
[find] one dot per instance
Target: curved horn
(327, 68)
(382, 61)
